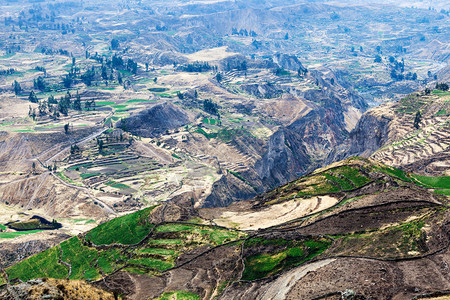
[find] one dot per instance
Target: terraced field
(382, 215)
(406, 145)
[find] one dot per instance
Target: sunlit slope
(357, 208)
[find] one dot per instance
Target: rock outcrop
(156, 120)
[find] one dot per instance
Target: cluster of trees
(161, 28)
(115, 44)
(442, 86)
(397, 68)
(39, 84)
(16, 87)
(7, 72)
(105, 72)
(41, 69)
(240, 65)
(34, 17)
(243, 32)
(49, 51)
(197, 67)
(210, 107)
(54, 107)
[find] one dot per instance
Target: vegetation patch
(44, 264)
(393, 242)
(139, 101)
(34, 223)
(433, 182)
(152, 263)
(158, 90)
(129, 229)
(11, 235)
(89, 175)
(104, 103)
(293, 254)
(179, 295)
(174, 228)
(157, 251)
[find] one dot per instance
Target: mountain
(356, 227)
(413, 133)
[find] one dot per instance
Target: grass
(393, 242)
(80, 258)
(34, 224)
(117, 185)
(179, 295)
(152, 263)
(268, 264)
(85, 262)
(442, 112)
(395, 172)
(433, 182)
(11, 235)
(441, 93)
(139, 101)
(89, 175)
(104, 103)
(157, 251)
(129, 229)
(119, 106)
(158, 90)
(44, 264)
(174, 228)
(166, 242)
(210, 121)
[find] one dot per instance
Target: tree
(39, 84)
(77, 103)
(219, 77)
(32, 97)
(67, 81)
(115, 44)
(442, 86)
(52, 100)
(17, 88)
(66, 128)
(210, 107)
(417, 120)
(377, 58)
(100, 145)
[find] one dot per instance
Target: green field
(44, 264)
(434, 182)
(11, 235)
(139, 101)
(294, 253)
(179, 295)
(129, 229)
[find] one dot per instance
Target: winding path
(106, 207)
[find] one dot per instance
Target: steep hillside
(413, 133)
(297, 241)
